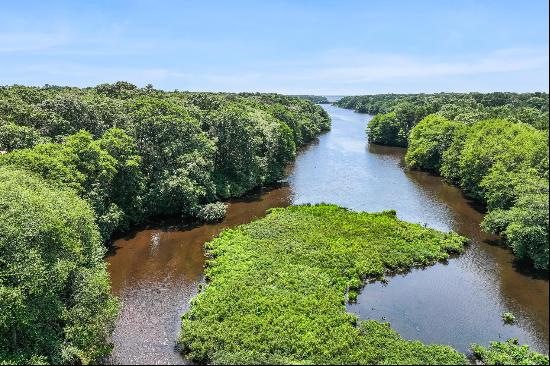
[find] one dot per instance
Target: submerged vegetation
(493, 146)
(77, 165)
(277, 290)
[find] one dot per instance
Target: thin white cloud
(364, 68)
(21, 42)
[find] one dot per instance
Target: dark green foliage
(277, 290)
(13, 137)
(55, 301)
(134, 153)
(507, 353)
(176, 157)
(317, 99)
(127, 185)
(530, 108)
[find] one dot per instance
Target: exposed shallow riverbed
(156, 271)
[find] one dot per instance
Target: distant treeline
(76, 165)
(494, 146)
(317, 99)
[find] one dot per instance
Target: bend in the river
(155, 271)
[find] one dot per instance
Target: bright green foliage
(504, 165)
(428, 140)
(55, 301)
(517, 146)
(507, 353)
(450, 162)
(53, 162)
(508, 318)
(393, 128)
(278, 286)
(82, 164)
(386, 129)
(525, 223)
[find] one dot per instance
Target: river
(155, 271)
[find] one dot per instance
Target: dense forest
(77, 165)
(318, 99)
(493, 146)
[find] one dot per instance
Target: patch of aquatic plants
(508, 318)
(277, 290)
(507, 353)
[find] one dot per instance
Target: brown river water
(155, 271)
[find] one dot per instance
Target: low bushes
(507, 353)
(212, 212)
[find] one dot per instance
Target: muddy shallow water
(155, 271)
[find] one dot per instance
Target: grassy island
(278, 286)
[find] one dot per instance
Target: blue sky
(308, 46)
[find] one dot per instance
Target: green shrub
(212, 212)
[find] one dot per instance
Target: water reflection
(155, 272)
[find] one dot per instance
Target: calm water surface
(156, 271)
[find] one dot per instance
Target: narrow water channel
(156, 271)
